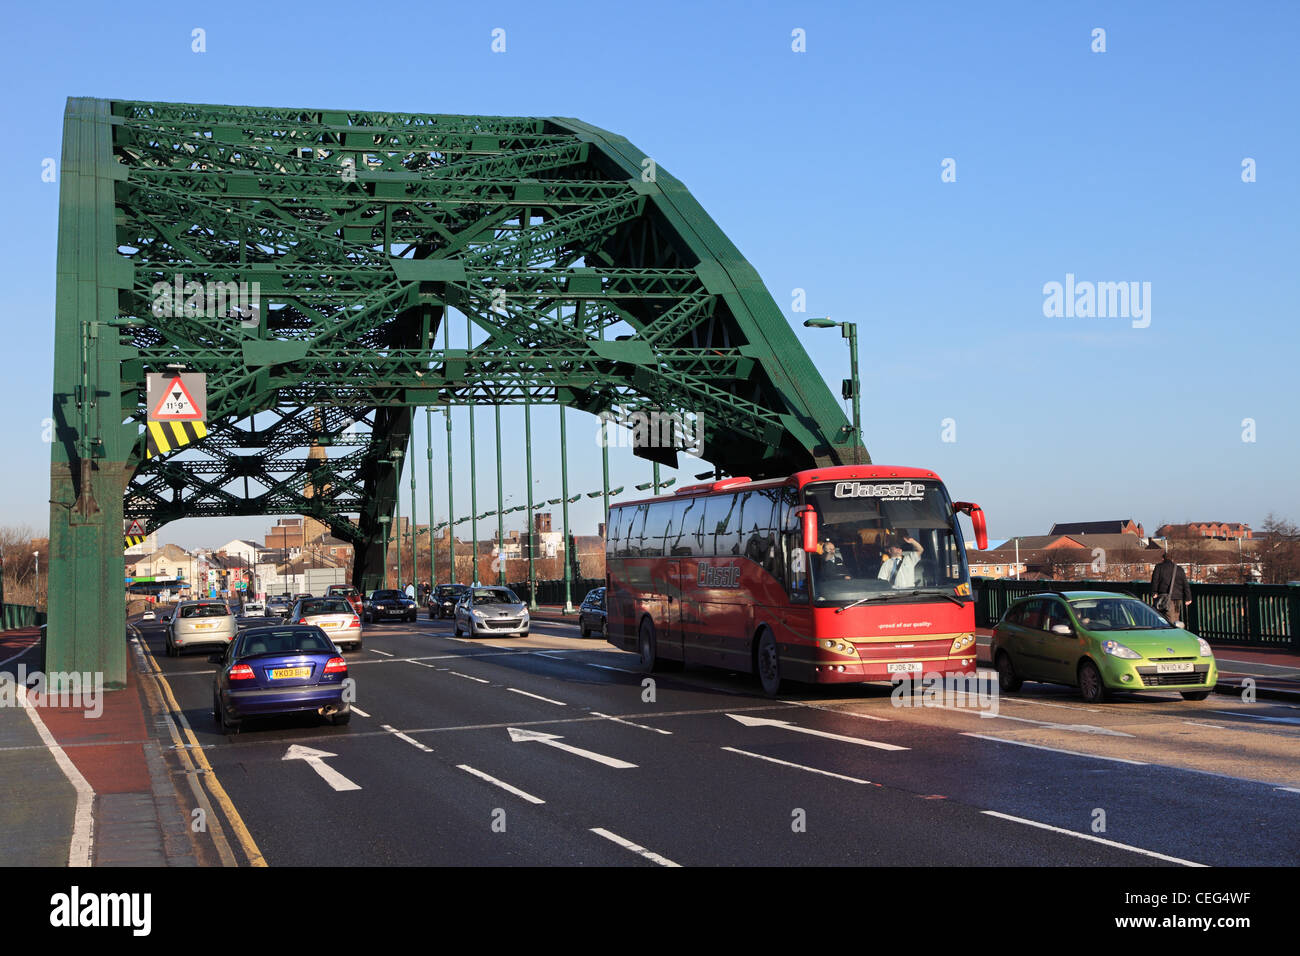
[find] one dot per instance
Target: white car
(491, 610)
(195, 623)
(334, 616)
(149, 615)
(254, 609)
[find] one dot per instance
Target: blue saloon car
(288, 669)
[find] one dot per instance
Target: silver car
(195, 623)
(491, 611)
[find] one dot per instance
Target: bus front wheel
(767, 664)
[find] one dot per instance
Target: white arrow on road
(553, 740)
(768, 722)
(316, 760)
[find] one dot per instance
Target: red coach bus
(849, 573)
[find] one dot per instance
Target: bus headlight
(962, 642)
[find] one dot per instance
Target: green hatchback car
(1099, 641)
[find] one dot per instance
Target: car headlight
(477, 615)
(1206, 650)
(1116, 649)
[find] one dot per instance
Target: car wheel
(411, 619)
(1008, 681)
(358, 645)
(1090, 683)
(1195, 694)
(767, 664)
(582, 628)
(523, 633)
(216, 709)
(228, 725)
(456, 624)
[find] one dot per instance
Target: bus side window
(794, 563)
(680, 542)
(656, 526)
(631, 542)
(722, 538)
(611, 531)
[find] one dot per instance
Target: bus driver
(899, 568)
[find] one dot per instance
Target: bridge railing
(20, 615)
(1249, 615)
(552, 592)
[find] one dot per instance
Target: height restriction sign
(180, 397)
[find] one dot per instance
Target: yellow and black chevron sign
(133, 539)
(162, 437)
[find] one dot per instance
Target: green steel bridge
(594, 279)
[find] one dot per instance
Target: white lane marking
(1276, 667)
(1049, 724)
(499, 783)
(410, 740)
(553, 740)
(551, 654)
(620, 720)
(358, 711)
(316, 760)
(786, 725)
(1290, 789)
(1264, 717)
(558, 703)
(629, 845)
(607, 667)
(20, 653)
(422, 664)
(1197, 723)
(83, 820)
(797, 766)
(1056, 750)
(1091, 838)
(384, 653)
(834, 710)
(467, 677)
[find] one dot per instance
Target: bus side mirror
(808, 516)
(977, 521)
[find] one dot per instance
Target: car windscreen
(1117, 614)
(205, 610)
(387, 596)
(495, 596)
(298, 640)
(326, 606)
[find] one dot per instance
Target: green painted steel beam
(593, 286)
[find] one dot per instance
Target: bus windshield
(882, 540)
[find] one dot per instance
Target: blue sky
(823, 167)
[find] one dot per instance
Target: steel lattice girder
(594, 288)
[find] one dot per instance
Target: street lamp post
(564, 494)
(383, 521)
(397, 512)
(528, 458)
(428, 450)
(36, 599)
(852, 386)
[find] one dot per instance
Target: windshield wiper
(891, 595)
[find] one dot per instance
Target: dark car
(442, 602)
(388, 604)
(591, 615)
(280, 670)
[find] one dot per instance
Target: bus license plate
(1175, 668)
(289, 673)
(903, 668)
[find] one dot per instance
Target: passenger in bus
(899, 568)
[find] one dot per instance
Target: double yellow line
(196, 766)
